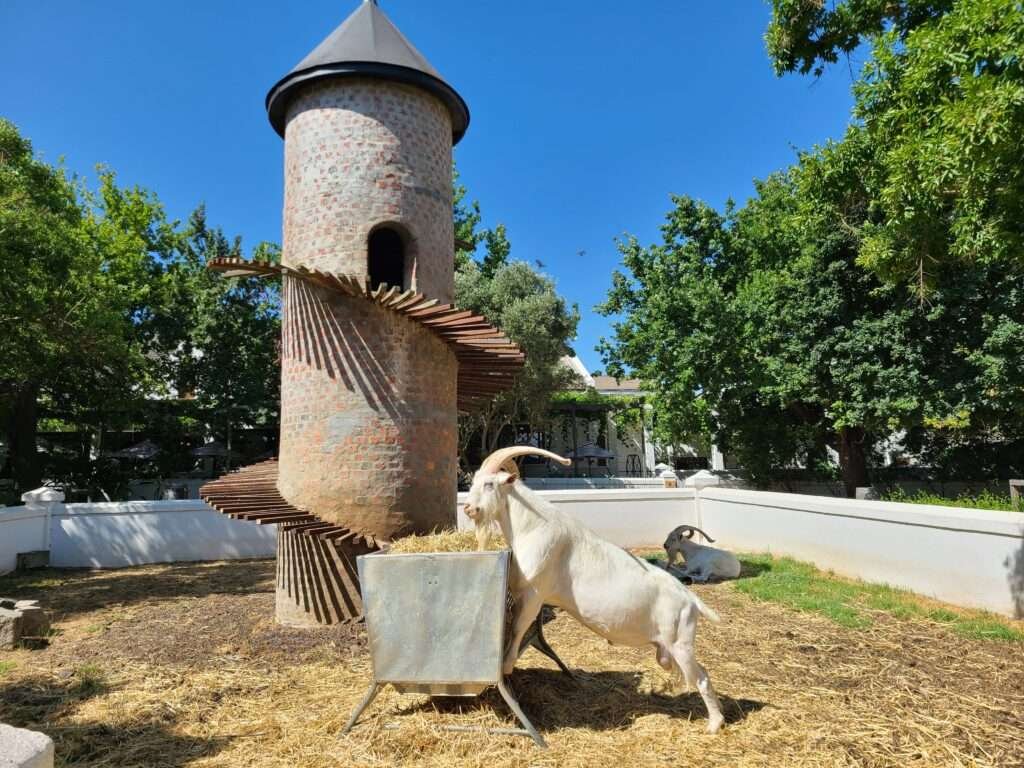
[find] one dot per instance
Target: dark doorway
(386, 258)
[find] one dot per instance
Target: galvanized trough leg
(514, 706)
(371, 694)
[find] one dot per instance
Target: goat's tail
(706, 612)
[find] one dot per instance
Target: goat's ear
(506, 478)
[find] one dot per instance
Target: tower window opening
(386, 258)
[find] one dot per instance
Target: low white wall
(584, 483)
(640, 517)
(22, 529)
(969, 557)
(118, 534)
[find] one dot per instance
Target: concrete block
(20, 748)
(34, 621)
(10, 630)
(27, 561)
(21, 619)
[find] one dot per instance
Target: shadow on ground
(749, 570)
(600, 701)
(70, 592)
(49, 705)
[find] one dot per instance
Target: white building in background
(587, 433)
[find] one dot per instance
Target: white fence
(586, 483)
(22, 529)
(630, 518)
(118, 534)
(968, 557)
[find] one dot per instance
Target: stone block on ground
(20, 748)
(10, 629)
(27, 561)
(34, 621)
(21, 620)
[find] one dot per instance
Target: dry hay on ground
(179, 665)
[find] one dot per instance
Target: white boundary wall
(968, 557)
(118, 534)
(22, 529)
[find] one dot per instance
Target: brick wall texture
(359, 153)
(368, 407)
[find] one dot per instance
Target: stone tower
(375, 360)
(368, 129)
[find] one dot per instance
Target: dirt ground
(166, 666)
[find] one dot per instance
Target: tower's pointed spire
(367, 44)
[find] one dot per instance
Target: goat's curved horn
(689, 529)
(504, 458)
(694, 527)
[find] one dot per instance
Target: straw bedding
(181, 665)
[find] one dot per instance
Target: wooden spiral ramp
(317, 580)
(488, 360)
(316, 561)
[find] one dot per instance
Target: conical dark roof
(367, 44)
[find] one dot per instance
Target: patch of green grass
(89, 679)
(6, 666)
(848, 603)
(983, 500)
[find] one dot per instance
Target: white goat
(558, 561)
(702, 562)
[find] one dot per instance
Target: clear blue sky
(586, 116)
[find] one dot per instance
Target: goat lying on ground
(557, 560)
(702, 562)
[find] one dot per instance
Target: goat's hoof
(715, 724)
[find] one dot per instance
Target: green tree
(942, 102)
(112, 320)
(525, 305)
(70, 287)
(467, 218)
(214, 341)
(758, 326)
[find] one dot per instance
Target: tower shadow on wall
(316, 336)
(1015, 576)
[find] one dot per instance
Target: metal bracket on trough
(436, 625)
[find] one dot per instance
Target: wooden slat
(488, 360)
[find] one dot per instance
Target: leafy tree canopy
(108, 310)
(942, 102)
(526, 306)
(758, 326)
(71, 283)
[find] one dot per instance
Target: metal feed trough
(436, 624)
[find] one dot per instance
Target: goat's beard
(485, 524)
(483, 535)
